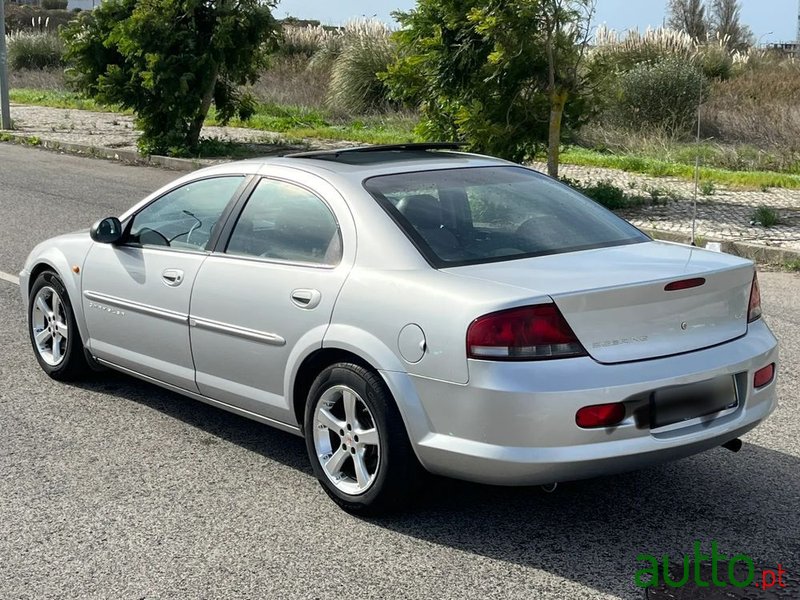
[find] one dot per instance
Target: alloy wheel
(346, 440)
(49, 326)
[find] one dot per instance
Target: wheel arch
(72, 285)
(388, 367)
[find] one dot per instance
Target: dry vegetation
(749, 117)
(324, 80)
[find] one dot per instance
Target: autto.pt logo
(703, 570)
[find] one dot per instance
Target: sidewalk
(726, 216)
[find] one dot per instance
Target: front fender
(60, 255)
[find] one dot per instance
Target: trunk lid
(616, 303)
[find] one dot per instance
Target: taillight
(754, 309)
(600, 415)
(526, 333)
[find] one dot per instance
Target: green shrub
(663, 95)
(54, 4)
(766, 216)
(603, 192)
(34, 51)
(715, 60)
(707, 187)
(355, 86)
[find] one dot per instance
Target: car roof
(368, 161)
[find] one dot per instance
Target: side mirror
(107, 231)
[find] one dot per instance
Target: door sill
(205, 399)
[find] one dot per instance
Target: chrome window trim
(276, 261)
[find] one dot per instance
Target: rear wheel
(357, 443)
(53, 331)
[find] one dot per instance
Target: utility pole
(5, 111)
(797, 39)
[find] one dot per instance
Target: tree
(689, 16)
(726, 23)
(502, 75)
(168, 60)
(566, 29)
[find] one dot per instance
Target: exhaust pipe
(549, 488)
(734, 445)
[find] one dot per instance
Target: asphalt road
(117, 489)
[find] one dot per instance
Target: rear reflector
(600, 415)
(526, 333)
(764, 376)
(684, 284)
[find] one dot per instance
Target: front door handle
(172, 277)
(306, 298)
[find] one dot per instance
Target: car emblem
(684, 325)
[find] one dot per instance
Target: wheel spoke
(56, 348)
(324, 417)
(62, 330)
(368, 437)
(42, 336)
(362, 475)
(42, 305)
(56, 302)
(349, 401)
(334, 464)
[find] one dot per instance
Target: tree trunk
(196, 126)
(558, 100)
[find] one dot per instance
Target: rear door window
(283, 221)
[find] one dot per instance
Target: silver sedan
(413, 309)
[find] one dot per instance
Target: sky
(770, 20)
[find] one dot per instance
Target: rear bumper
(514, 423)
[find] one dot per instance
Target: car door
(136, 293)
(266, 297)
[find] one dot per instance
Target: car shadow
(589, 532)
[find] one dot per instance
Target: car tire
(357, 443)
(53, 331)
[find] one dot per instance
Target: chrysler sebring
(413, 308)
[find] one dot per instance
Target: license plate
(685, 402)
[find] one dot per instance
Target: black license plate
(685, 402)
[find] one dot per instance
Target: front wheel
(357, 442)
(53, 331)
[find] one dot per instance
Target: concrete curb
(754, 252)
(126, 156)
(760, 254)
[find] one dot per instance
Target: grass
(661, 168)
(793, 265)
(57, 99)
(298, 122)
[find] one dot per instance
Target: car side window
(286, 222)
(185, 217)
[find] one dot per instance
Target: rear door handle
(306, 298)
(172, 277)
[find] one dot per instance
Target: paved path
(726, 215)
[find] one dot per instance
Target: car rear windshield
(485, 214)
